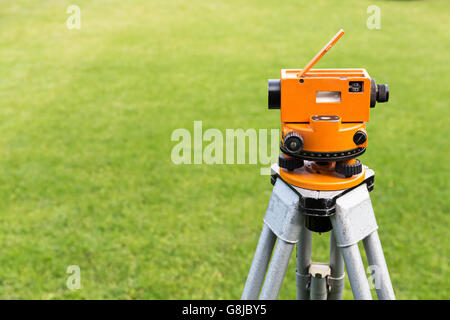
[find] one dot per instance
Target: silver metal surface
(375, 257)
(302, 282)
(353, 221)
(356, 273)
(259, 265)
(282, 215)
(277, 270)
(337, 278)
(303, 262)
(319, 274)
(355, 217)
(318, 288)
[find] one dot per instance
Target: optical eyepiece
(378, 93)
(383, 93)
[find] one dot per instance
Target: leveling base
(313, 176)
(353, 220)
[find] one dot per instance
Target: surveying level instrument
(321, 186)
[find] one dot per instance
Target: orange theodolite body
(323, 121)
(325, 92)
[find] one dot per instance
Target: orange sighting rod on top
(321, 53)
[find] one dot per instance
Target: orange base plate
(314, 177)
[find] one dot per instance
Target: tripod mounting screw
(289, 163)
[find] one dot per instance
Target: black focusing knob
(359, 137)
(383, 93)
(289, 163)
(274, 87)
(293, 142)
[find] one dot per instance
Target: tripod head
(324, 114)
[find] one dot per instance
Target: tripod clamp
(318, 206)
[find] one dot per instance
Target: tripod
(352, 219)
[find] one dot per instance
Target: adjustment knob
(359, 137)
(348, 169)
(293, 142)
(289, 163)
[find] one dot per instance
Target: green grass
(86, 118)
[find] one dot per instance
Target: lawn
(86, 118)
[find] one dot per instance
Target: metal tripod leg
(337, 277)
(282, 220)
(320, 272)
(375, 256)
(356, 273)
(303, 262)
(260, 262)
(355, 221)
(277, 270)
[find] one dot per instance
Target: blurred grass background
(86, 118)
